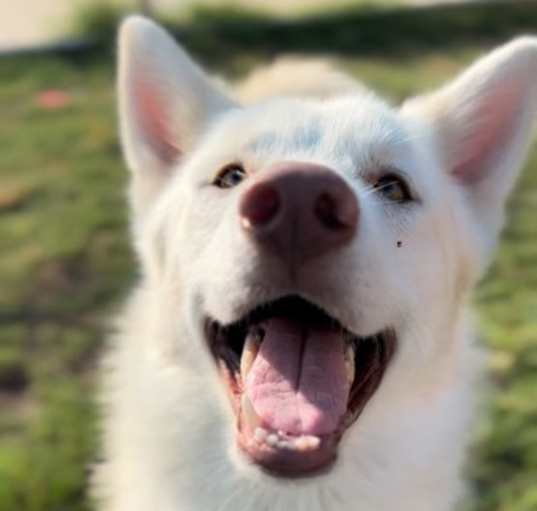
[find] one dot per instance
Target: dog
(300, 337)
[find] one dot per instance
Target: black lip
(234, 334)
(291, 305)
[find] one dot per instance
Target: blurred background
(65, 261)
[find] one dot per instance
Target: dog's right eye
(230, 176)
(393, 188)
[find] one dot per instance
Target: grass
(65, 261)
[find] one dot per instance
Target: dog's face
(319, 252)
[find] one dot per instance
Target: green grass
(65, 261)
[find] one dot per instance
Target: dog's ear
(165, 102)
(482, 125)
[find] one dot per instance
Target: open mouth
(297, 379)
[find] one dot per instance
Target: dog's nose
(299, 211)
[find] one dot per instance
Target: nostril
(334, 214)
(325, 211)
(259, 206)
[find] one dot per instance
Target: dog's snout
(299, 211)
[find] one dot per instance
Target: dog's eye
(393, 188)
(230, 176)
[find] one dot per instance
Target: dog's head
(318, 251)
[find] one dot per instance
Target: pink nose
(299, 211)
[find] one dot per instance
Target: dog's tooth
(314, 441)
(350, 366)
(260, 434)
(300, 444)
(272, 440)
(307, 443)
(285, 444)
(249, 414)
(249, 352)
(247, 359)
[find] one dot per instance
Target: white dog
(299, 339)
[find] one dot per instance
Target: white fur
(169, 432)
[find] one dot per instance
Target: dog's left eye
(393, 188)
(230, 176)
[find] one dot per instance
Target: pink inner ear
(493, 122)
(154, 123)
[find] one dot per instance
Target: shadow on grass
(215, 34)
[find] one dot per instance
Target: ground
(65, 262)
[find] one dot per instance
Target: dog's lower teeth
(272, 440)
(260, 434)
(307, 443)
(284, 444)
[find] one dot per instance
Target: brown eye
(230, 176)
(393, 188)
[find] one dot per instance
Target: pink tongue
(297, 382)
